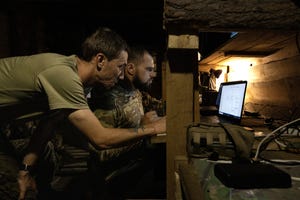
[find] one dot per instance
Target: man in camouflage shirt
(151, 103)
(123, 107)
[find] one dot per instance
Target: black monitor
(231, 99)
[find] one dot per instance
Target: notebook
(230, 101)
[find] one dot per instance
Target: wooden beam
(181, 67)
(235, 15)
(183, 41)
(251, 54)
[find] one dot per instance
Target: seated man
(122, 106)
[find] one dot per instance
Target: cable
(271, 134)
(280, 144)
(286, 161)
(295, 178)
(281, 162)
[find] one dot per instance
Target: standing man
(55, 84)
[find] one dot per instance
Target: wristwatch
(25, 167)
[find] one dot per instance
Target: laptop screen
(231, 99)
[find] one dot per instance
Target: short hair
(106, 41)
(136, 54)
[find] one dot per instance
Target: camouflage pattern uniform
(150, 103)
(123, 108)
(8, 170)
(14, 139)
(119, 108)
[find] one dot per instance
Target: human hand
(159, 125)
(25, 182)
(150, 117)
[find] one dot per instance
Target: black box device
(250, 176)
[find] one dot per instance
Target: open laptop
(230, 101)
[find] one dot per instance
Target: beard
(140, 85)
(125, 83)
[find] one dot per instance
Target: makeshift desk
(159, 138)
(199, 182)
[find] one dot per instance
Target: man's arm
(38, 141)
(89, 125)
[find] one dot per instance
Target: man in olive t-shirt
(47, 77)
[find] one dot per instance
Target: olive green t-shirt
(47, 77)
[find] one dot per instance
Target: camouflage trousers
(11, 153)
(8, 176)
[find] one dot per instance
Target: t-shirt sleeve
(63, 88)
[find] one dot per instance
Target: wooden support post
(180, 78)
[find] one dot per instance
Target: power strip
(207, 138)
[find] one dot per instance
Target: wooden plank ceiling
(249, 44)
